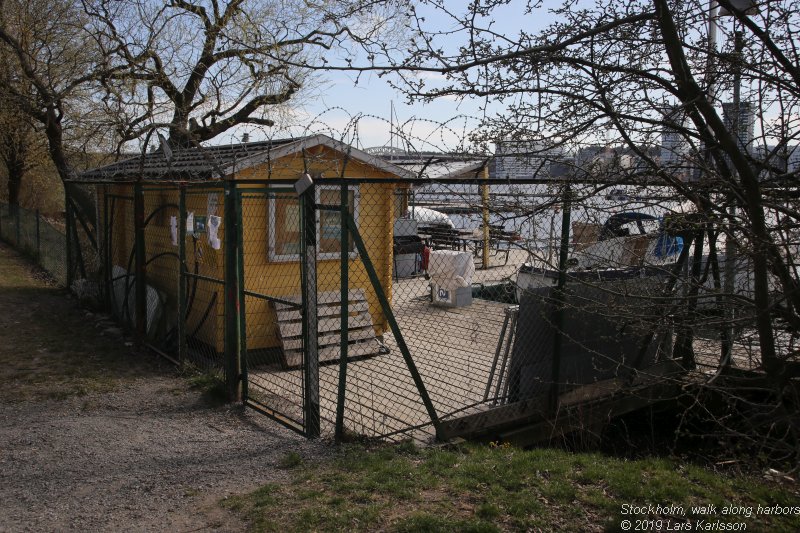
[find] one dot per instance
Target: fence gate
(346, 381)
(273, 353)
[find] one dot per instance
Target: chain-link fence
(459, 307)
(389, 308)
(41, 238)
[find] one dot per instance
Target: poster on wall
(173, 230)
(213, 203)
(213, 231)
(200, 225)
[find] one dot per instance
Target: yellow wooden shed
(261, 175)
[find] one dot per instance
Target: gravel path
(150, 455)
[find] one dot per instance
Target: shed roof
(436, 165)
(205, 163)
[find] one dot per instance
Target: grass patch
(290, 460)
(483, 488)
(210, 385)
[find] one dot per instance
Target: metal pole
(345, 298)
(308, 268)
(140, 267)
(729, 279)
(182, 304)
(559, 298)
(232, 331)
(242, 309)
(38, 239)
(485, 206)
(107, 251)
(68, 237)
(17, 209)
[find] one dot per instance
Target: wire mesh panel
(120, 278)
(270, 261)
(162, 267)
(41, 238)
(382, 394)
(28, 233)
(507, 298)
(204, 272)
(53, 251)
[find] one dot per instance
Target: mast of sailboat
(391, 126)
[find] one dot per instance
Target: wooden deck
(453, 350)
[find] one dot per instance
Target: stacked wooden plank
(361, 340)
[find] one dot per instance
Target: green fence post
(308, 269)
(232, 331)
(38, 240)
(19, 234)
(68, 237)
(345, 297)
(242, 301)
(140, 264)
(182, 304)
(560, 297)
(107, 267)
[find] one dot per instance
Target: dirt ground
(95, 436)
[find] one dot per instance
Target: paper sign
(213, 202)
(213, 231)
(200, 224)
(173, 230)
(190, 223)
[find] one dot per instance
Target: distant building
(745, 123)
(793, 162)
(527, 159)
(673, 145)
(674, 150)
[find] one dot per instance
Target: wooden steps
(361, 339)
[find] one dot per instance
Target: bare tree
(97, 73)
(199, 68)
(51, 65)
(628, 74)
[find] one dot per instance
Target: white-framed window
(284, 225)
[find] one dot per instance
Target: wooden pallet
(361, 340)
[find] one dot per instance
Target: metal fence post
(345, 290)
(308, 268)
(68, 237)
(19, 234)
(139, 264)
(107, 260)
(232, 331)
(182, 304)
(38, 240)
(485, 218)
(560, 297)
(242, 303)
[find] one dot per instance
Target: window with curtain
(284, 225)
